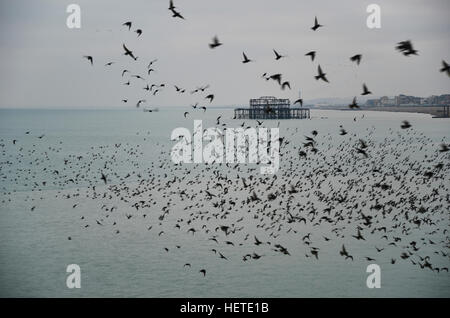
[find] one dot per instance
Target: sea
(51, 159)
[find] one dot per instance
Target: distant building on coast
(269, 107)
(405, 100)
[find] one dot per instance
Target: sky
(41, 64)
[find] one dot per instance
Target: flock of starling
(332, 188)
(404, 47)
(340, 187)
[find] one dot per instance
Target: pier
(269, 107)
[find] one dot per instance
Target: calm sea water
(34, 245)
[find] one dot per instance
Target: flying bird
(276, 77)
(246, 59)
(406, 48)
(316, 25)
(171, 6)
(365, 90)
(353, 104)
(128, 52)
(361, 151)
(140, 102)
(444, 148)
(151, 63)
(215, 43)
(356, 58)
(128, 24)
(445, 68)
(89, 58)
(277, 55)
(321, 74)
(176, 14)
(179, 90)
(103, 177)
(285, 84)
(359, 236)
(311, 54)
(405, 125)
(138, 76)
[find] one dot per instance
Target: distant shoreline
(435, 111)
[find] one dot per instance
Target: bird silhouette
(138, 104)
(285, 84)
(444, 148)
(277, 55)
(103, 177)
(176, 14)
(89, 58)
(321, 75)
(365, 90)
(311, 54)
(354, 104)
(405, 124)
(356, 58)
(215, 43)
(246, 59)
(128, 52)
(445, 68)
(276, 77)
(316, 24)
(128, 24)
(406, 48)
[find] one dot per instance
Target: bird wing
(319, 69)
(126, 49)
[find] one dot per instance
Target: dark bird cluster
(349, 187)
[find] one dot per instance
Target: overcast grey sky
(41, 62)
